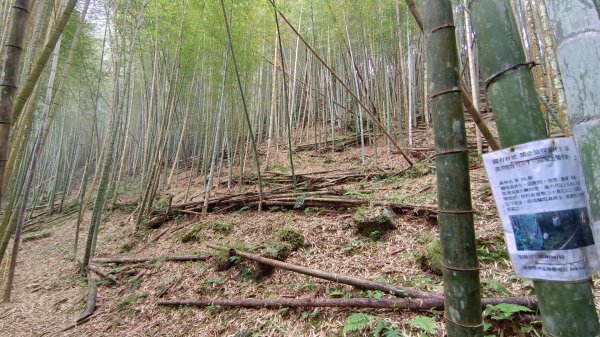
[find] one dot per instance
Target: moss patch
(374, 222)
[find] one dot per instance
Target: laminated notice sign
(541, 199)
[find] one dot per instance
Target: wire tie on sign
(449, 153)
(16, 6)
(508, 70)
(8, 85)
(456, 211)
(462, 325)
(460, 269)
(550, 153)
(449, 25)
(432, 96)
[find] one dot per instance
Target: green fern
(503, 310)
(384, 328)
(356, 322)
(424, 323)
(299, 201)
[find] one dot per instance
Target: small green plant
(420, 169)
(357, 322)
(417, 280)
(493, 287)
(336, 293)
(308, 286)
(299, 201)
(223, 227)
(184, 308)
(384, 328)
(278, 252)
(354, 245)
(423, 323)
(380, 176)
(397, 197)
(504, 310)
(312, 314)
(242, 210)
(313, 211)
(130, 300)
(492, 253)
(376, 294)
(294, 238)
(215, 281)
(375, 235)
(163, 204)
(195, 234)
(135, 284)
(393, 180)
(223, 261)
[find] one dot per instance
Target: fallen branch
(337, 202)
(35, 237)
(349, 280)
(102, 273)
(124, 260)
(420, 304)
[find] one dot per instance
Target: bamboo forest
(324, 168)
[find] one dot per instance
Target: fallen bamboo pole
(123, 260)
(349, 280)
(423, 304)
(102, 273)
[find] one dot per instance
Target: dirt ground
(50, 293)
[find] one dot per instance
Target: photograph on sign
(557, 230)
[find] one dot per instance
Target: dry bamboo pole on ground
(124, 260)
(349, 280)
(420, 304)
(102, 273)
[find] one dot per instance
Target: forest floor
(50, 293)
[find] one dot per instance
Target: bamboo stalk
(462, 294)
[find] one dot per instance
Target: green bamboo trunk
(9, 76)
(577, 33)
(26, 89)
(566, 309)
(461, 269)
